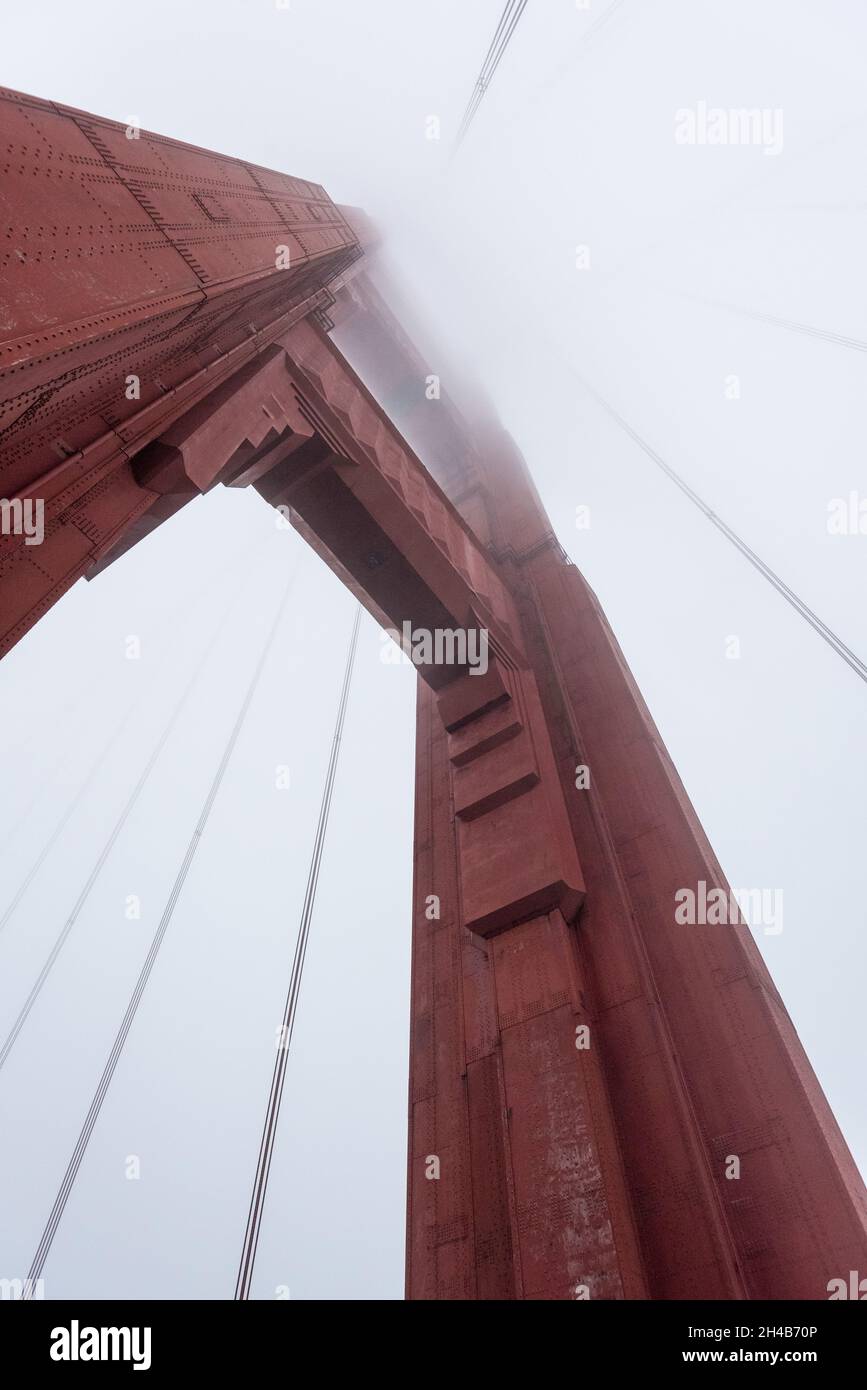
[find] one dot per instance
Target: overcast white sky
(574, 146)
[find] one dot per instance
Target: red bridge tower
(583, 1067)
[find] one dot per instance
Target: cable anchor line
(272, 1110)
(821, 628)
(499, 43)
(89, 779)
(110, 1067)
(114, 834)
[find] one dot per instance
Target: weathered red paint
(562, 1169)
(128, 257)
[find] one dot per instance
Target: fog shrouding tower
(606, 1101)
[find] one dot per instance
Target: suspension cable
(66, 817)
(824, 335)
(821, 628)
(240, 557)
(123, 1032)
(272, 1112)
(116, 829)
(76, 703)
(500, 42)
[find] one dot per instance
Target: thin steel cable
(101, 758)
(821, 628)
(809, 330)
(552, 80)
(272, 1111)
(80, 703)
(485, 72)
(118, 826)
(67, 816)
(92, 1116)
(601, 22)
(507, 25)
(500, 42)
